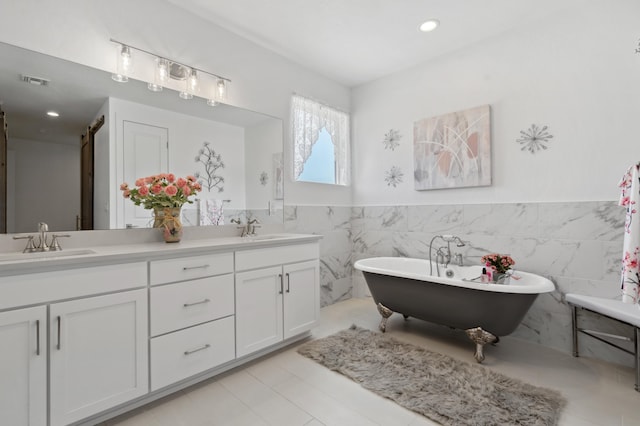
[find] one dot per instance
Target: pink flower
(126, 193)
(171, 190)
(140, 182)
(186, 191)
(143, 191)
(181, 183)
(156, 188)
(149, 179)
(124, 186)
(191, 178)
(171, 177)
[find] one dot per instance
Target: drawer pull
(288, 283)
(38, 337)
(186, 305)
(59, 346)
(281, 284)
(187, 268)
(202, 348)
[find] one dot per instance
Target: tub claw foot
(480, 337)
(386, 313)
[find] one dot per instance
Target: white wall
(259, 158)
(46, 184)
(80, 30)
(103, 197)
(576, 72)
(186, 137)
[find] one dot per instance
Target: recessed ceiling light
(53, 114)
(429, 25)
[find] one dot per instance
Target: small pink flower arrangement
(161, 191)
(499, 263)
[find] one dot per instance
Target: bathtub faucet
(443, 254)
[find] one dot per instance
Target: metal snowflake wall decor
(392, 139)
(394, 176)
(534, 138)
(212, 162)
(264, 178)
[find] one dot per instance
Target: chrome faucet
(252, 225)
(243, 227)
(43, 228)
(443, 254)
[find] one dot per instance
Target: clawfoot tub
(484, 311)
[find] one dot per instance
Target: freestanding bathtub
(455, 299)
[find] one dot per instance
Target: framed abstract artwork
(453, 150)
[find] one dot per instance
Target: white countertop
(20, 263)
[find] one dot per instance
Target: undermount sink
(266, 237)
(17, 257)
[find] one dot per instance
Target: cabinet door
(301, 297)
(23, 367)
(258, 309)
(98, 354)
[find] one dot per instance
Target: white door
(98, 354)
(145, 152)
(301, 297)
(23, 367)
(258, 309)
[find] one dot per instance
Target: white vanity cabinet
(97, 341)
(192, 320)
(23, 367)
(277, 295)
(98, 354)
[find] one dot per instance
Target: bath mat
(441, 388)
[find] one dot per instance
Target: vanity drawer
(182, 354)
(260, 258)
(181, 305)
(44, 287)
(186, 268)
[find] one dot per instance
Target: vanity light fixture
(160, 75)
(190, 85)
(195, 80)
(123, 64)
(429, 25)
(53, 114)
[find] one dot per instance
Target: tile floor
(285, 388)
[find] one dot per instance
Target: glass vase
(168, 219)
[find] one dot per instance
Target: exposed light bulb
(221, 89)
(124, 64)
(191, 85)
(160, 75)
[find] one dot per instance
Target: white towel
(630, 198)
(211, 212)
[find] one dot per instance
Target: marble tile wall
(336, 265)
(577, 245)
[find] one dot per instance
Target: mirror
(43, 164)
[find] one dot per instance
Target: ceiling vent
(36, 81)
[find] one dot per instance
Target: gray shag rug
(437, 386)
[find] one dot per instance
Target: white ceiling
(357, 41)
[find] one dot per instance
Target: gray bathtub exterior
(448, 305)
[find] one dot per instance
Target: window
(320, 137)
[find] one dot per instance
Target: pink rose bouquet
(499, 263)
(161, 191)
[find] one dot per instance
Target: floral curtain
(308, 117)
(630, 198)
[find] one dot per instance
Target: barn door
(3, 172)
(86, 172)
